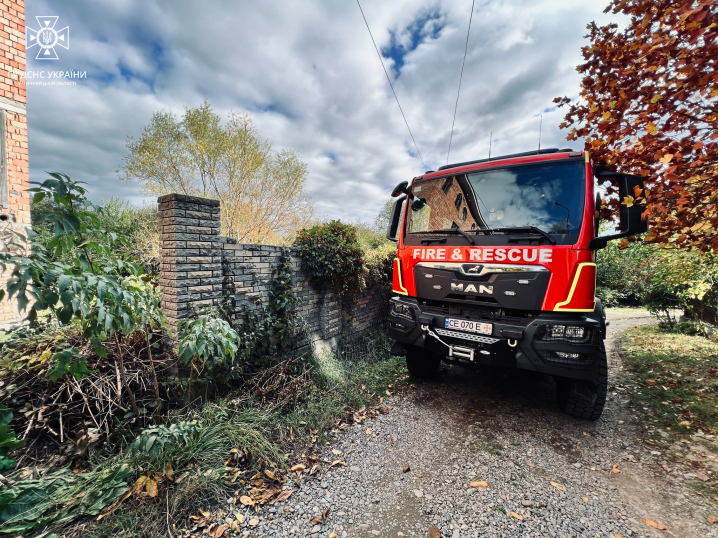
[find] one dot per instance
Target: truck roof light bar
(511, 156)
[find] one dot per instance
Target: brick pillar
(190, 255)
(14, 173)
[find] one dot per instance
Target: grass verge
(677, 390)
(677, 376)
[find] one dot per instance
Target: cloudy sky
(309, 74)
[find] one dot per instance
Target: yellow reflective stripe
(573, 289)
(587, 159)
(401, 284)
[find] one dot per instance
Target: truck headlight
(402, 310)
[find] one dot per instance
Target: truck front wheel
(583, 398)
(421, 363)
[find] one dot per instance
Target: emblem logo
(472, 289)
(47, 38)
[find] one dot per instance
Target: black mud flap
(399, 348)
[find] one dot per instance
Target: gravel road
(548, 475)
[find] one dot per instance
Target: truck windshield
(549, 196)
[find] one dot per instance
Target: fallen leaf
(315, 521)
(713, 520)
(254, 522)
(240, 518)
(337, 463)
(615, 469)
(334, 534)
(621, 422)
(151, 487)
(684, 423)
(169, 472)
(654, 524)
(336, 452)
(136, 488)
(298, 468)
(235, 527)
(517, 516)
(558, 486)
(584, 499)
(702, 477)
(406, 469)
(666, 158)
(182, 477)
(246, 501)
(219, 531)
(617, 534)
(368, 431)
(270, 474)
(418, 475)
(325, 514)
(651, 382)
(434, 532)
(283, 496)
(666, 468)
(388, 393)
(205, 513)
(480, 484)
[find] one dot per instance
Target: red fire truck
(496, 265)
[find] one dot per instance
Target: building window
(448, 182)
(473, 226)
(457, 202)
(463, 214)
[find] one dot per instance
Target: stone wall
(198, 267)
(14, 171)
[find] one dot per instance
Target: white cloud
(310, 75)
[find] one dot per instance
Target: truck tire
(421, 363)
(581, 398)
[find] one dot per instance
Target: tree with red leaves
(649, 105)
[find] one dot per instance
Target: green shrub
(8, 442)
(332, 258)
(610, 297)
(208, 345)
(379, 268)
(158, 438)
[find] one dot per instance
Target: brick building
(14, 171)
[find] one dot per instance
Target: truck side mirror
(391, 231)
(401, 188)
(630, 217)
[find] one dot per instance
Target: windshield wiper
(525, 230)
(451, 231)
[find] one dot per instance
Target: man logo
(48, 38)
(472, 289)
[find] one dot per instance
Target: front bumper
(524, 343)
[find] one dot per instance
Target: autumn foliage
(649, 105)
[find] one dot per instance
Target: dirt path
(505, 430)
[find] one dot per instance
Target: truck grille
(467, 336)
(469, 312)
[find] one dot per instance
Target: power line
(466, 48)
(392, 86)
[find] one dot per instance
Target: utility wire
(391, 85)
(456, 105)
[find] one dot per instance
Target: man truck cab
(496, 265)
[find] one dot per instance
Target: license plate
(468, 326)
